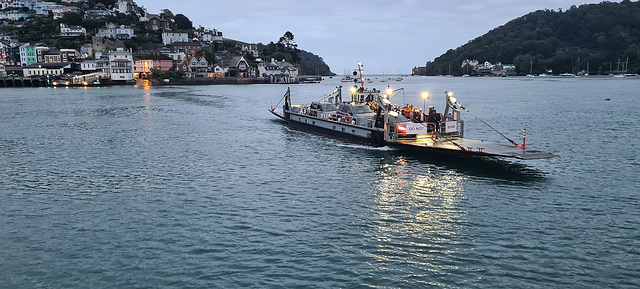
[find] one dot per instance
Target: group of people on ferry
(415, 114)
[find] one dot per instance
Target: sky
(386, 36)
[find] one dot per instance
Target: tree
(182, 22)
(287, 40)
(166, 14)
(71, 18)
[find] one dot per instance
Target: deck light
(389, 91)
(425, 96)
(354, 89)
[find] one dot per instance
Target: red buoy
(607, 99)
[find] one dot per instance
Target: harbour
(202, 187)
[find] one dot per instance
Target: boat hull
(336, 130)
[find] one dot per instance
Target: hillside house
(169, 37)
(72, 30)
(125, 6)
(156, 23)
(59, 11)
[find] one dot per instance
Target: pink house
(145, 64)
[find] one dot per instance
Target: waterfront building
(41, 69)
(237, 66)
(88, 66)
(145, 64)
(278, 71)
(196, 66)
(176, 57)
(121, 65)
(32, 53)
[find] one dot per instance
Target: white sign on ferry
(416, 129)
(451, 126)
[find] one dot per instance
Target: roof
(236, 60)
(153, 57)
(53, 65)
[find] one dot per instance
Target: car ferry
(369, 118)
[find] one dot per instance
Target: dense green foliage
(311, 64)
(182, 22)
(598, 35)
(158, 74)
(287, 49)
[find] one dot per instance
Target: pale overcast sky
(385, 35)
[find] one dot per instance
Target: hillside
(41, 22)
(598, 35)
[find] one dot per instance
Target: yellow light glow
(353, 89)
(449, 93)
(389, 91)
(454, 100)
(425, 95)
(85, 83)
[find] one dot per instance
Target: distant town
(167, 49)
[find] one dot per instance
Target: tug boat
(355, 121)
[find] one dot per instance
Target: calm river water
(201, 187)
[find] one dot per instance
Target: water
(201, 187)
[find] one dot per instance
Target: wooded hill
(598, 35)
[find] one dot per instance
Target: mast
(361, 76)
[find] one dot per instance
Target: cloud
(390, 35)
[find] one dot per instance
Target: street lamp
(425, 96)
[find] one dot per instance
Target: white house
(45, 69)
(72, 30)
(121, 65)
(278, 71)
(124, 32)
(208, 35)
(177, 57)
(88, 66)
(171, 37)
(108, 30)
(125, 6)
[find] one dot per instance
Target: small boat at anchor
(369, 118)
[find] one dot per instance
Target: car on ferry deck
(361, 113)
(323, 110)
